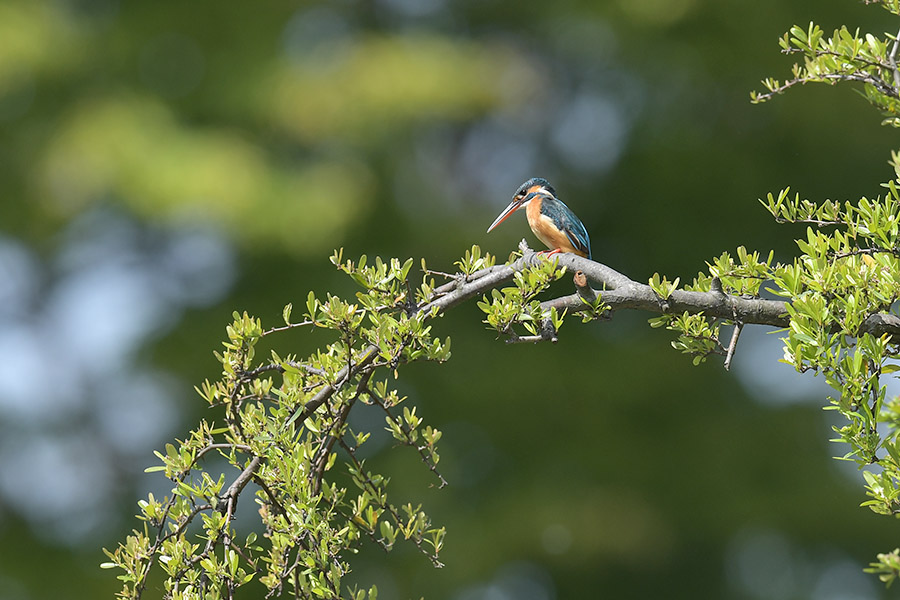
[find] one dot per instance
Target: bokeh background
(165, 163)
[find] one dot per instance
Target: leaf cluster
(283, 432)
(514, 308)
(518, 304)
(700, 335)
(847, 271)
(845, 56)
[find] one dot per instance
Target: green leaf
(311, 305)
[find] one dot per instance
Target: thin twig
(375, 491)
(892, 59)
(279, 367)
(869, 251)
(288, 326)
(735, 334)
(428, 460)
(547, 334)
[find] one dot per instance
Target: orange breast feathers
(546, 231)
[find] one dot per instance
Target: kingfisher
(550, 220)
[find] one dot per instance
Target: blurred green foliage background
(165, 163)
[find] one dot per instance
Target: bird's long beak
(513, 207)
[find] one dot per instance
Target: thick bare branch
(620, 292)
(640, 296)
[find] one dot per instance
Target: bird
(549, 218)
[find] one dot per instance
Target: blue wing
(566, 221)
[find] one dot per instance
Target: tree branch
(629, 294)
(620, 292)
(326, 392)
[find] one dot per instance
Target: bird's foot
(549, 253)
